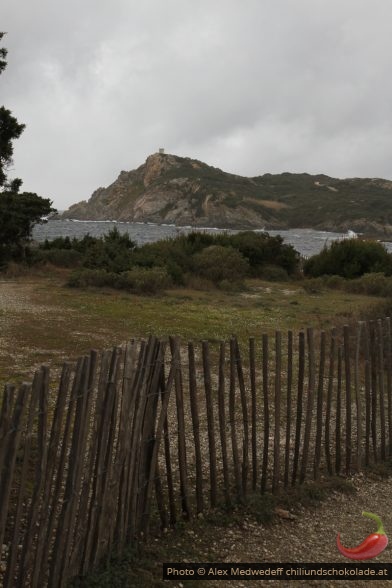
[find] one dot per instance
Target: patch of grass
(59, 323)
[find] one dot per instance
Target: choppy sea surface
(306, 241)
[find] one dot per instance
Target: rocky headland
(183, 191)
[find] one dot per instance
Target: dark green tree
(10, 129)
(18, 211)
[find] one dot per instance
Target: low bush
(217, 263)
(231, 286)
(214, 259)
(137, 280)
(144, 280)
(335, 282)
(111, 252)
(274, 273)
(260, 249)
(59, 257)
(376, 284)
(85, 278)
(373, 284)
(313, 285)
(350, 258)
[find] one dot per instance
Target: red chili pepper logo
(370, 547)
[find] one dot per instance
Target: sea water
(306, 241)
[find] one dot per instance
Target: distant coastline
(172, 190)
(306, 241)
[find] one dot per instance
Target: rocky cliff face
(183, 191)
(166, 189)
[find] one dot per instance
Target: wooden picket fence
(142, 435)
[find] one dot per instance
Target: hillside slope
(184, 191)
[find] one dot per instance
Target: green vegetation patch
(55, 323)
(115, 261)
(350, 258)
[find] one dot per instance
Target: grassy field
(42, 321)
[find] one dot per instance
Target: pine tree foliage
(19, 211)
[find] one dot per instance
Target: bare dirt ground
(309, 537)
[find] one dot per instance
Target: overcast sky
(250, 86)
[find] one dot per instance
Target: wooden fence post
(76, 467)
(338, 450)
(29, 544)
(264, 470)
(300, 391)
(132, 366)
(175, 365)
(12, 438)
(96, 443)
(244, 407)
(288, 407)
(252, 370)
(52, 458)
(153, 436)
(320, 402)
(358, 396)
(66, 518)
(373, 368)
(5, 420)
(210, 422)
(368, 394)
(277, 400)
(389, 383)
(174, 342)
(347, 360)
(168, 462)
(103, 468)
(194, 403)
(381, 388)
(331, 375)
(222, 422)
(234, 444)
(309, 409)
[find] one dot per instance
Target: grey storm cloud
(251, 87)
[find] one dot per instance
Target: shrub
(260, 249)
(376, 284)
(335, 282)
(58, 257)
(231, 286)
(217, 263)
(166, 253)
(274, 273)
(350, 258)
(57, 243)
(144, 280)
(138, 280)
(313, 285)
(111, 252)
(212, 258)
(85, 278)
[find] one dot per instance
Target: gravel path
(309, 537)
